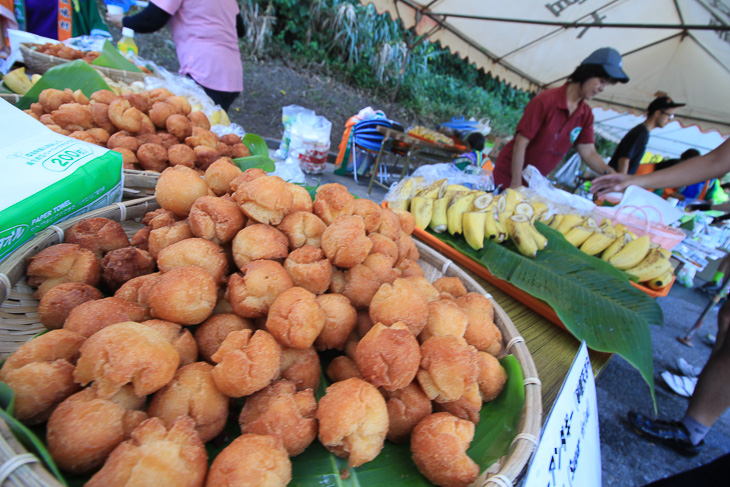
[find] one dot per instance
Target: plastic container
(126, 43)
(114, 6)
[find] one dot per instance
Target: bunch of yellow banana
(18, 82)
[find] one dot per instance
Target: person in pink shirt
(206, 41)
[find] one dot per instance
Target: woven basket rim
(511, 467)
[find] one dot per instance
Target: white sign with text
(569, 452)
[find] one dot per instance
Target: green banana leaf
(110, 57)
(594, 300)
(76, 75)
(256, 145)
(259, 154)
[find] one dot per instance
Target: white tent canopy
(668, 141)
(677, 47)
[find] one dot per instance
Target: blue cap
(610, 60)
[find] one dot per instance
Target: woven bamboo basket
(139, 184)
(19, 323)
(11, 98)
(37, 62)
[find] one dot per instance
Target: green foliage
(354, 43)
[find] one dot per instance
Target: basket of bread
(317, 327)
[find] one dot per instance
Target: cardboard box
(46, 177)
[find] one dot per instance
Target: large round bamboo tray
(11, 98)
(37, 62)
(19, 323)
(139, 184)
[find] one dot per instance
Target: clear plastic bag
(289, 115)
(477, 178)
(310, 142)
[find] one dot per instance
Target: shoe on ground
(684, 386)
(710, 288)
(670, 433)
(687, 369)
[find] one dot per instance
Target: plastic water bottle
(126, 43)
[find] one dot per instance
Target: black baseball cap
(663, 103)
(610, 60)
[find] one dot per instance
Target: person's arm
(518, 159)
(623, 165)
(591, 157)
(714, 164)
(151, 19)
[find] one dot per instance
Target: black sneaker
(710, 288)
(671, 433)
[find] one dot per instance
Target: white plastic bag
(288, 171)
(558, 201)
(665, 213)
(289, 115)
(310, 142)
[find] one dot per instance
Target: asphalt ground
(629, 460)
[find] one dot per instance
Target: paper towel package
(46, 177)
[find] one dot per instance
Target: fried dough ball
(407, 249)
(445, 317)
(360, 285)
(92, 316)
(124, 116)
(438, 444)
(167, 140)
(122, 140)
(204, 137)
(467, 407)
(309, 268)
(409, 268)
(47, 119)
(215, 219)
(301, 199)
(192, 393)
(84, 136)
(51, 99)
(251, 461)
(198, 119)
(100, 116)
(86, 427)
(259, 241)
(140, 101)
(407, 221)
(152, 157)
(58, 302)
(491, 378)
(448, 368)
(406, 408)
(179, 337)
(126, 353)
(353, 421)
(399, 302)
(100, 134)
(252, 292)
(383, 245)
(73, 116)
(295, 318)
(382, 267)
(80, 97)
(136, 291)
(197, 252)
(230, 139)
(331, 201)
(129, 158)
(423, 287)
(220, 174)
(279, 410)
(364, 323)
(184, 295)
(149, 138)
(160, 218)
(164, 236)
(266, 199)
(340, 321)
(450, 285)
(342, 368)
(120, 265)
(159, 94)
(37, 109)
(100, 235)
(40, 373)
(179, 126)
(301, 367)
(103, 96)
(344, 241)
(173, 457)
(62, 263)
(302, 228)
(180, 103)
(388, 357)
(58, 129)
(370, 213)
(177, 189)
(481, 332)
(211, 333)
(246, 176)
(246, 362)
(389, 224)
(205, 156)
(239, 150)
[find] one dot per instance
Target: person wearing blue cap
(558, 118)
(627, 156)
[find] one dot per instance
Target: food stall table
(415, 148)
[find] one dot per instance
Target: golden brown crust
(448, 368)
(331, 201)
(120, 265)
(252, 292)
(58, 302)
(179, 126)
(409, 268)
(182, 155)
(399, 302)
(423, 287)
(301, 367)
(491, 378)
(100, 235)
(369, 211)
(406, 248)
(406, 407)
(342, 368)
(279, 410)
(152, 157)
(251, 461)
(340, 321)
(295, 318)
(90, 317)
(388, 357)
(161, 237)
(205, 156)
(467, 407)
(360, 285)
(265, 199)
(438, 445)
(184, 295)
(302, 228)
(219, 176)
(407, 221)
(197, 252)
(259, 241)
(211, 333)
(445, 317)
(344, 241)
(179, 337)
(481, 332)
(301, 199)
(136, 290)
(192, 393)
(199, 119)
(450, 285)
(310, 269)
(246, 176)
(389, 224)
(126, 353)
(353, 421)
(62, 263)
(383, 245)
(246, 363)
(177, 189)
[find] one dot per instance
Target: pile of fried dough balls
(153, 130)
(230, 290)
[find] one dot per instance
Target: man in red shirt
(558, 118)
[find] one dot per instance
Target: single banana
(577, 235)
(620, 229)
(616, 246)
(661, 281)
(459, 204)
(666, 253)
(435, 190)
(17, 81)
(482, 202)
(631, 254)
(540, 210)
(522, 236)
(540, 239)
(493, 229)
(589, 222)
(569, 221)
(524, 208)
(651, 267)
(438, 220)
(474, 224)
(598, 242)
(556, 220)
(401, 199)
(511, 198)
(422, 210)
